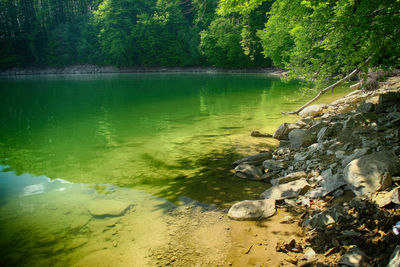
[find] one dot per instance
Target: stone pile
(350, 147)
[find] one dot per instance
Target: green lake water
(150, 141)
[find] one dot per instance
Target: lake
(87, 161)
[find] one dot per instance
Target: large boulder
(286, 190)
(371, 173)
(252, 209)
(247, 171)
(256, 159)
(312, 111)
(107, 207)
(301, 138)
(283, 130)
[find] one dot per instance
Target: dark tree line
(124, 33)
(314, 39)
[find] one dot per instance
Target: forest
(314, 39)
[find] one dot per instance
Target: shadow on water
(211, 180)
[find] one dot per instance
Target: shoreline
(325, 173)
(94, 69)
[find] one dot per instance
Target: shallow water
(148, 141)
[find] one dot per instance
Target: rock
(108, 207)
(366, 107)
(256, 159)
(283, 130)
(258, 134)
(287, 190)
(309, 254)
(395, 195)
(387, 100)
(312, 111)
(384, 198)
(252, 209)
(354, 257)
(394, 260)
(301, 138)
(370, 173)
(327, 217)
(322, 134)
(317, 127)
(289, 178)
(247, 171)
(355, 86)
(328, 184)
(357, 153)
(274, 165)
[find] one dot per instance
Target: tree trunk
(331, 87)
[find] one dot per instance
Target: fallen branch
(331, 87)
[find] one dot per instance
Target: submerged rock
(371, 173)
(108, 207)
(247, 171)
(287, 190)
(252, 209)
(259, 134)
(256, 159)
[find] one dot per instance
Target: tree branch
(331, 87)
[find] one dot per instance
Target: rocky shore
(95, 69)
(337, 171)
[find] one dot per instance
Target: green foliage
(326, 39)
(231, 41)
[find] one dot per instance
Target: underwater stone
(106, 207)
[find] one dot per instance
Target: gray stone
(301, 156)
(354, 257)
(287, 190)
(259, 134)
(283, 130)
(371, 173)
(385, 198)
(289, 178)
(252, 209)
(107, 207)
(274, 165)
(256, 159)
(309, 254)
(321, 134)
(395, 197)
(301, 138)
(316, 127)
(329, 184)
(382, 199)
(312, 111)
(247, 171)
(357, 153)
(394, 260)
(366, 107)
(325, 218)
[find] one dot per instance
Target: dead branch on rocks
(331, 87)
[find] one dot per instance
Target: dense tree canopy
(311, 38)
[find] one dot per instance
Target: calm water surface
(146, 141)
